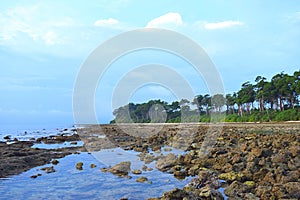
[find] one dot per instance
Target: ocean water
(25, 133)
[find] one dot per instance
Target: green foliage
(265, 101)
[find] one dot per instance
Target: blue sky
(44, 43)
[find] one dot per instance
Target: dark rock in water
(136, 171)
(144, 168)
(122, 169)
(73, 143)
(55, 162)
(49, 169)
(93, 165)
(79, 165)
(7, 137)
(142, 179)
(179, 175)
(33, 176)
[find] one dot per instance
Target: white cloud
(169, 19)
(222, 25)
(23, 25)
(106, 22)
(50, 38)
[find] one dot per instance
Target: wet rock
(144, 168)
(7, 137)
(48, 169)
(179, 175)
(73, 143)
(122, 169)
(142, 179)
(148, 158)
(79, 165)
(178, 194)
(166, 162)
(93, 165)
(136, 171)
(55, 162)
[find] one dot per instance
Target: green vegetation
(264, 101)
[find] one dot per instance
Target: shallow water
(28, 134)
(90, 183)
(57, 145)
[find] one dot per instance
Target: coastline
(259, 160)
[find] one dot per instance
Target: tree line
(262, 100)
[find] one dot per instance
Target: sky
(43, 45)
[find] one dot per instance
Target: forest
(260, 101)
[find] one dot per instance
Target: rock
(73, 143)
(250, 196)
(231, 176)
(264, 192)
(196, 145)
(55, 162)
(279, 158)
(142, 179)
(121, 169)
(257, 152)
(250, 183)
(7, 137)
(79, 165)
(179, 175)
(293, 189)
(269, 177)
(144, 168)
(136, 171)
(166, 162)
(236, 159)
(168, 149)
(33, 176)
(294, 150)
(49, 169)
(93, 165)
(178, 194)
(237, 188)
(209, 193)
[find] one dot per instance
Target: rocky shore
(19, 156)
(255, 161)
(249, 161)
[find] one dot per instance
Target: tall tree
(260, 84)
